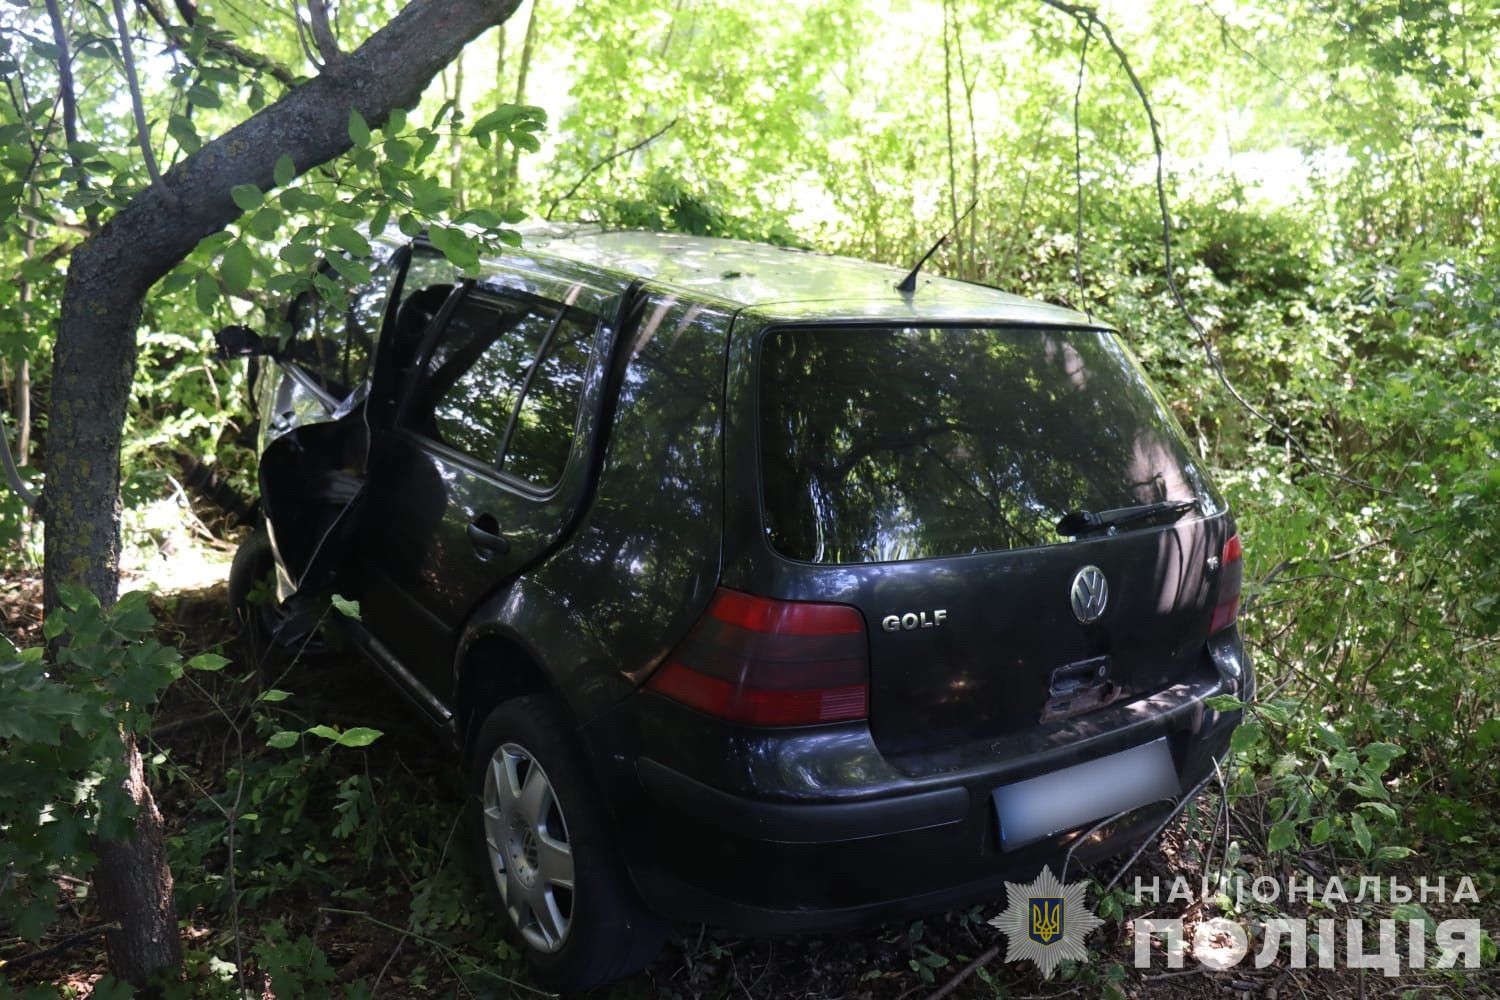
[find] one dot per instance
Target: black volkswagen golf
(753, 589)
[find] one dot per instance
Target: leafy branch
(1088, 19)
(606, 161)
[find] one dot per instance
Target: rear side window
(504, 382)
(476, 371)
(884, 444)
(542, 434)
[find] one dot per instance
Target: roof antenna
(909, 283)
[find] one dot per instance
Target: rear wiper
(1077, 522)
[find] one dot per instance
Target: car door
(484, 468)
(310, 392)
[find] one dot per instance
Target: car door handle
(484, 533)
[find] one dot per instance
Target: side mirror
(241, 342)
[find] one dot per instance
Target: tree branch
(1088, 19)
(612, 157)
(143, 131)
(110, 273)
(13, 475)
(244, 57)
(66, 944)
(1083, 62)
(322, 32)
(69, 103)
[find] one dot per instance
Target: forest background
(1286, 208)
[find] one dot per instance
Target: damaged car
(751, 586)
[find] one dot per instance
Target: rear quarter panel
(602, 612)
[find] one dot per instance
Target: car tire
(254, 562)
(546, 853)
(260, 617)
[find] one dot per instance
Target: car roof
(777, 283)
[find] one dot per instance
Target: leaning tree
(124, 254)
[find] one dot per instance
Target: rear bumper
(820, 890)
(815, 831)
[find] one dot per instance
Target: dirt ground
(391, 915)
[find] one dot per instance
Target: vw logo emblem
(1090, 594)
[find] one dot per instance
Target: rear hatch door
(920, 474)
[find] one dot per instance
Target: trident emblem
(1046, 919)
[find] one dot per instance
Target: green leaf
(237, 266)
(285, 171)
(398, 153)
(346, 237)
(265, 222)
(1361, 832)
(1283, 835)
(181, 128)
(299, 199)
(345, 607)
(409, 224)
(203, 97)
(380, 219)
(247, 196)
(274, 695)
(357, 736)
(1321, 831)
(359, 130)
(1405, 912)
(1246, 737)
(299, 254)
(481, 217)
(1380, 755)
(455, 244)
(500, 118)
(205, 291)
(353, 271)
(208, 661)
(1381, 808)
(283, 739)
(1224, 703)
(429, 197)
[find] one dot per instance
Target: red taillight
(1231, 576)
(771, 663)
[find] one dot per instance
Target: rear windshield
(880, 444)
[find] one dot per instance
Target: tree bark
(523, 70)
(134, 887)
(109, 275)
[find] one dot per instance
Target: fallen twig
(985, 958)
(65, 944)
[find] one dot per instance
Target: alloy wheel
(530, 855)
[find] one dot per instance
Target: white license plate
(1061, 800)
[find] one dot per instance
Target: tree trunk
(456, 142)
(108, 277)
(134, 887)
(523, 70)
(21, 391)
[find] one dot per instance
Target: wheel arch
(493, 667)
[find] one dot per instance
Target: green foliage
(63, 721)
(1320, 791)
(307, 829)
(1352, 302)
